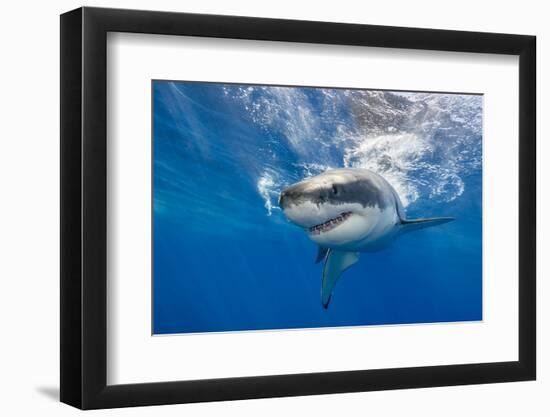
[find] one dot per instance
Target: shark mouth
(329, 224)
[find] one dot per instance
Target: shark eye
(334, 189)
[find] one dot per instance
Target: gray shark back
(366, 188)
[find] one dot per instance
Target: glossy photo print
(288, 207)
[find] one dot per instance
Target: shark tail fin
(417, 224)
(336, 262)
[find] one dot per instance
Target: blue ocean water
(226, 259)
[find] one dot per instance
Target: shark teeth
(329, 224)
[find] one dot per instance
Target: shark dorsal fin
(336, 262)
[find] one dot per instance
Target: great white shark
(347, 211)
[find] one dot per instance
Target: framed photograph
(258, 208)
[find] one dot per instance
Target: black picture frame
(84, 207)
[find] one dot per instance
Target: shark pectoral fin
(321, 254)
(417, 224)
(336, 262)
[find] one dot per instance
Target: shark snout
(296, 206)
(300, 193)
(283, 199)
(292, 195)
